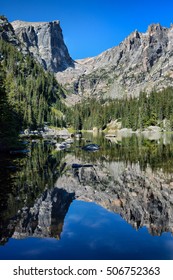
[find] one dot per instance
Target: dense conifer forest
(136, 113)
(33, 93)
(29, 96)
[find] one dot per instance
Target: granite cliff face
(7, 33)
(143, 61)
(44, 40)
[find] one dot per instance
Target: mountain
(7, 33)
(45, 41)
(29, 95)
(141, 62)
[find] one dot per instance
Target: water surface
(115, 203)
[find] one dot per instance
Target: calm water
(115, 203)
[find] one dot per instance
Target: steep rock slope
(143, 61)
(7, 33)
(45, 41)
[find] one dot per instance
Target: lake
(114, 203)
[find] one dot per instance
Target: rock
(62, 146)
(110, 135)
(27, 132)
(7, 33)
(78, 135)
(91, 147)
(152, 133)
(153, 128)
(69, 141)
(77, 165)
(44, 40)
(113, 126)
(139, 63)
(95, 129)
(50, 133)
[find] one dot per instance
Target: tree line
(136, 113)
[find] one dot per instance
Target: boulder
(91, 147)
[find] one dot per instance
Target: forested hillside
(34, 94)
(9, 120)
(135, 113)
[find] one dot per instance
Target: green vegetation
(135, 113)
(9, 120)
(21, 186)
(33, 93)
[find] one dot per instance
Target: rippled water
(114, 203)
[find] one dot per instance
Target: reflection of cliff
(44, 219)
(22, 182)
(143, 198)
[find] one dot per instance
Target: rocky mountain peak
(155, 27)
(45, 41)
(7, 32)
(142, 62)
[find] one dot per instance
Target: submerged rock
(91, 147)
(62, 146)
(77, 165)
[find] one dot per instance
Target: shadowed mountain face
(7, 33)
(45, 41)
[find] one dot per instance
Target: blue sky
(92, 26)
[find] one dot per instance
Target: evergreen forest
(33, 93)
(136, 113)
(29, 96)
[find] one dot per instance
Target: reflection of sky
(91, 232)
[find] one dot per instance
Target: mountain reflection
(132, 177)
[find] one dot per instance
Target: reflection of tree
(133, 149)
(125, 177)
(21, 188)
(9, 120)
